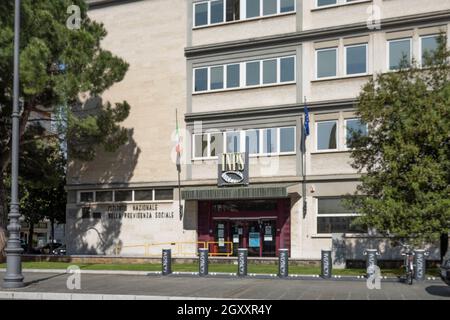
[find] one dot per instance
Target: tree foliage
(60, 67)
(405, 158)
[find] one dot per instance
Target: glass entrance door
(258, 236)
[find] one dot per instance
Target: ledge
(317, 34)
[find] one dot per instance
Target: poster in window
(220, 233)
(268, 230)
(254, 240)
(235, 238)
(221, 242)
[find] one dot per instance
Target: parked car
(61, 251)
(49, 247)
(445, 268)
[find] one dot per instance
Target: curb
(14, 295)
(106, 272)
(222, 275)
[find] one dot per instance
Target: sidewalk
(107, 286)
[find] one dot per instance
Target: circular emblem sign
(233, 177)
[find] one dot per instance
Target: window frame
(243, 75)
(208, 148)
(345, 131)
(421, 46)
(87, 191)
(317, 136)
(332, 215)
(388, 54)
(242, 144)
(338, 3)
(366, 45)
(336, 49)
(243, 13)
(79, 202)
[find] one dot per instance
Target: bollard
(166, 262)
(371, 261)
(420, 265)
(326, 268)
(202, 262)
(283, 263)
(242, 262)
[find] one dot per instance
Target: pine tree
(60, 69)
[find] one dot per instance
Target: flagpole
(179, 165)
(304, 162)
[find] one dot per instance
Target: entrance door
(258, 236)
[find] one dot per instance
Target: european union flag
(306, 121)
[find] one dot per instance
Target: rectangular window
(333, 217)
(321, 3)
(216, 78)
(287, 140)
(123, 195)
(252, 136)
(429, 45)
(270, 141)
(233, 142)
(326, 61)
(163, 194)
(287, 69)
(200, 145)
(143, 195)
(399, 52)
(86, 196)
(245, 74)
(270, 71)
(287, 6)
(253, 8)
(206, 145)
(270, 7)
(354, 127)
(217, 11)
(253, 73)
(326, 135)
(214, 142)
(233, 76)
(356, 59)
(201, 79)
(103, 196)
(233, 10)
(201, 14)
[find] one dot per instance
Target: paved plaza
(112, 286)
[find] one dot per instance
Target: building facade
(239, 73)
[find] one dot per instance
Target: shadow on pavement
(441, 291)
(28, 283)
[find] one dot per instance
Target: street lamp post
(14, 277)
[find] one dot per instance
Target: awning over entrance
(261, 191)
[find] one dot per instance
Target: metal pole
(14, 277)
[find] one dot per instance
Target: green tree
(42, 182)
(59, 67)
(405, 158)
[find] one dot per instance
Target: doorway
(256, 235)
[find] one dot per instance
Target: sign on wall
(233, 169)
(150, 211)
